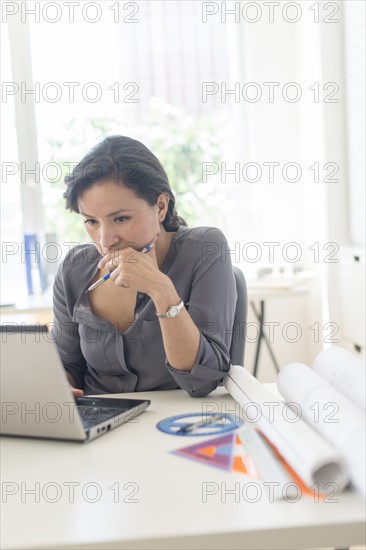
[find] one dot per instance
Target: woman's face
(115, 217)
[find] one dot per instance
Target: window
(12, 267)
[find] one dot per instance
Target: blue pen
(106, 277)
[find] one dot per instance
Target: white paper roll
(312, 458)
(338, 421)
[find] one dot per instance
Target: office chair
(240, 319)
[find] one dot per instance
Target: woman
(163, 319)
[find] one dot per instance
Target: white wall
(343, 56)
(287, 212)
(309, 212)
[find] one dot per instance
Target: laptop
(36, 400)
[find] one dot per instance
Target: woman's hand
(76, 392)
(132, 269)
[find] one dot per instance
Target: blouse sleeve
(211, 306)
(65, 332)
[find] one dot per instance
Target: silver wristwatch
(173, 311)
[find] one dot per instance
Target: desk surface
(161, 500)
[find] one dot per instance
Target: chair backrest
(238, 339)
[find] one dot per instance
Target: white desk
(29, 310)
(267, 288)
(169, 511)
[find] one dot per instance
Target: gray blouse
(103, 360)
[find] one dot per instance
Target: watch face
(173, 312)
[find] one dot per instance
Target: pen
(191, 427)
(106, 277)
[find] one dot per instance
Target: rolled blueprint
(344, 371)
(334, 417)
(312, 458)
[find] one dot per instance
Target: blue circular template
(173, 424)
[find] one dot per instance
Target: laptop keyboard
(92, 416)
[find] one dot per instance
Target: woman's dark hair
(127, 161)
